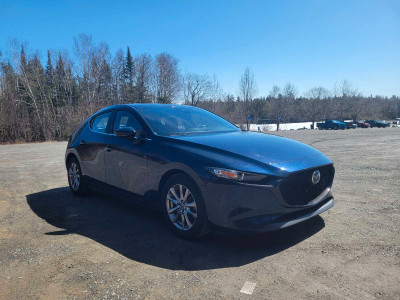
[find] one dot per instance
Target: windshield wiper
(179, 134)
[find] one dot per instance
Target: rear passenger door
(92, 143)
(126, 161)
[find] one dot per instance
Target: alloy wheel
(181, 207)
(74, 176)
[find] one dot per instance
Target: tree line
(40, 102)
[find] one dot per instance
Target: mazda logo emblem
(316, 176)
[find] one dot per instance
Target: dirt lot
(56, 246)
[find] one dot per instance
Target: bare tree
(26, 83)
(289, 91)
(344, 89)
(196, 88)
(84, 52)
(47, 103)
(167, 78)
(216, 93)
(247, 86)
(247, 91)
(119, 88)
(143, 64)
(343, 92)
(315, 107)
(283, 102)
(275, 90)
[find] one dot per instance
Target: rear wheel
(183, 207)
(75, 180)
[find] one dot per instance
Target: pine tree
(129, 68)
(50, 77)
(23, 59)
(60, 79)
(49, 70)
(22, 90)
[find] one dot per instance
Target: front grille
(298, 189)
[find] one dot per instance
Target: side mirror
(125, 132)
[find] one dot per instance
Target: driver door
(125, 160)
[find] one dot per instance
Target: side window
(126, 119)
(99, 124)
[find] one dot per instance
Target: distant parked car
(331, 124)
(376, 123)
(362, 124)
(349, 124)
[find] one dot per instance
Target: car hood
(268, 149)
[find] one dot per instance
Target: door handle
(82, 143)
(108, 148)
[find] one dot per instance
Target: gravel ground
(56, 246)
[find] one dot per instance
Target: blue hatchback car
(198, 168)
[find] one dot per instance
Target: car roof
(135, 105)
(151, 104)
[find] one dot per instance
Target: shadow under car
(141, 235)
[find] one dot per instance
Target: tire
(75, 180)
(187, 220)
(336, 127)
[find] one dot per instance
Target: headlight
(241, 176)
(228, 174)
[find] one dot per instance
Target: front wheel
(183, 207)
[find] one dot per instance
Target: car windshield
(183, 120)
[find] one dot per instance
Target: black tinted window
(126, 119)
(99, 124)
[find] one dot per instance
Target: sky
(308, 43)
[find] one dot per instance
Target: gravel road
(57, 246)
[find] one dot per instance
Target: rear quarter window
(100, 122)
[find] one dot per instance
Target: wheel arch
(69, 157)
(169, 174)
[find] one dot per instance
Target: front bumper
(257, 208)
